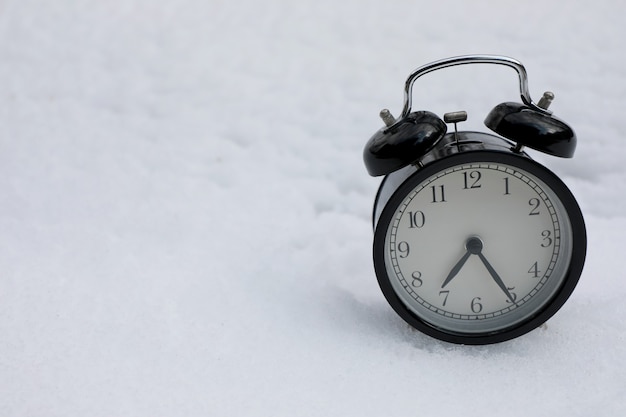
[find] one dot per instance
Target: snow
(185, 216)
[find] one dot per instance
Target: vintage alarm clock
(474, 242)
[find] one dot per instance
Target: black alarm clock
(474, 242)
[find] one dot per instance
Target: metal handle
(469, 59)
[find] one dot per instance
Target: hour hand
(473, 245)
(455, 270)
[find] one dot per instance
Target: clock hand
(473, 245)
(495, 276)
(455, 270)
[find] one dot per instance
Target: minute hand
(495, 276)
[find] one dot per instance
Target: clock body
(476, 243)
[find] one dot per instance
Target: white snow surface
(185, 217)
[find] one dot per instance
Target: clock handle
(468, 59)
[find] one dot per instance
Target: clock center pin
(474, 245)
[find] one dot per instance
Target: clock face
(479, 245)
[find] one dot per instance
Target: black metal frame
(498, 155)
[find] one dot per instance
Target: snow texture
(185, 220)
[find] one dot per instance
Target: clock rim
(547, 310)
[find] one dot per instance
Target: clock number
(513, 295)
(506, 186)
(417, 279)
(445, 294)
(547, 239)
(438, 194)
(472, 175)
(416, 219)
(534, 270)
(403, 248)
(476, 306)
(534, 203)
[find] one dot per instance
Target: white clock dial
(478, 247)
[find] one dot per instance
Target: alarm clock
(474, 241)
